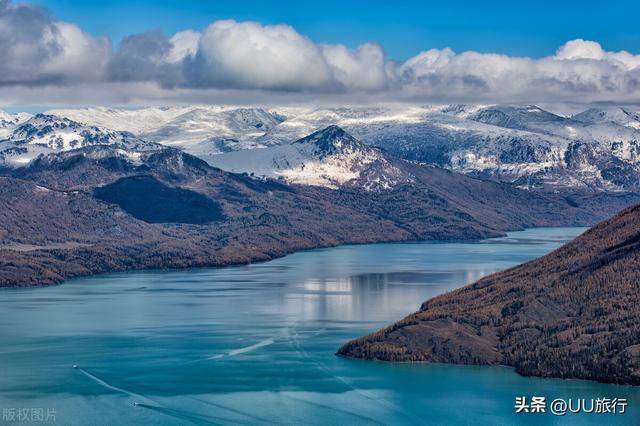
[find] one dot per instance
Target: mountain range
(520, 144)
(400, 179)
(570, 314)
(125, 206)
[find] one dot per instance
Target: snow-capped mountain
(526, 145)
(9, 121)
(45, 134)
(521, 144)
(617, 115)
(329, 157)
(206, 130)
(203, 131)
(199, 130)
(575, 152)
(534, 119)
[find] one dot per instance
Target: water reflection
(373, 295)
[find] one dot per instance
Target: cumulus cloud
(362, 69)
(183, 45)
(579, 70)
(145, 57)
(36, 49)
(247, 57)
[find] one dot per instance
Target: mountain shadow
(148, 199)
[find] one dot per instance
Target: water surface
(255, 344)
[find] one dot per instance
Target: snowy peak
(211, 122)
(46, 133)
(6, 119)
(252, 119)
(329, 157)
(10, 121)
(139, 121)
(515, 116)
(332, 140)
(213, 130)
(61, 133)
(21, 116)
(614, 115)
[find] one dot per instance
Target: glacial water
(255, 344)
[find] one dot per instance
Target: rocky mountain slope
(571, 314)
(526, 145)
(111, 208)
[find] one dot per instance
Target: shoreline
(274, 257)
(568, 314)
(502, 366)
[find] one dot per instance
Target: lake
(255, 344)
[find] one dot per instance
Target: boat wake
(234, 352)
(145, 402)
(140, 399)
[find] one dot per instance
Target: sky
(404, 28)
(163, 52)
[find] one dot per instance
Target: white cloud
(276, 57)
(362, 69)
(35, 49)
(183, 45)
(247, 59)
(79, 56)
(580, 49)
(584, 49)
(249, 55)
(579, 71)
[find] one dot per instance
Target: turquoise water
(255, 344)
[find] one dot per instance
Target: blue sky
(534, 28)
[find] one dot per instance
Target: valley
(122, 209)
(97, 199)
